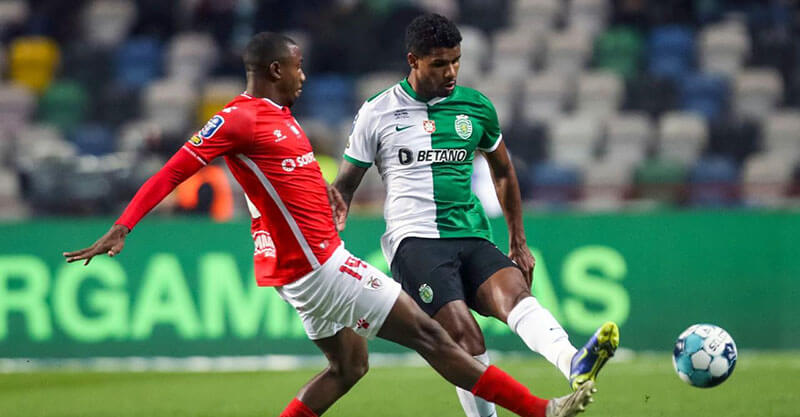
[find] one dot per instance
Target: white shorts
(344, 292)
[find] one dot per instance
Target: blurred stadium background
(657, 145)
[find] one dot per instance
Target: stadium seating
(588, 16)
(651, 94)
(537, 16)
(619, 50)
(766, 178)
(567, 52)
(757, 92)
(723, 48)
(544, 97)
(92, 139)
(79, 63)
(190, 57)
(660, 180)
(475, 50)
(599, 94)
(682, 136)
(605, 183)
(106, 23)
(574, 140)
(602, 103)
(64, 105)
(170, 105)
(328, 98)
(670, 51)
(16, 106)
(713, 182)
(628, 138)
(504, 94)
(12, 13)
(217, 93)
(553, 184)
(32, 62)
(513, 53)
(705, 94)
(371, 84)
(781, 134)
(138, 62)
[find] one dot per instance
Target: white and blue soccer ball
(704, 355)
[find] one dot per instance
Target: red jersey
(271, 157)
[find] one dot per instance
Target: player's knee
(348, 373)
(358, 369)
(469, 339)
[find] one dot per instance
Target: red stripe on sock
(500, 388)
(296, 408)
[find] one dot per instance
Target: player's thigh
(498, 295)
(456, 318)
(492, 282)
(428, 270)
(411, 327)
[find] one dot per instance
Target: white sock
(541, 333)
(476, 406)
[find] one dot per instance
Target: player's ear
(275, 70)
(413, 61)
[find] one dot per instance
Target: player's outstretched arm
(507, 187)
(181, 166)
(110, 243)
(346, 183)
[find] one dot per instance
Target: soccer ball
(704, 355)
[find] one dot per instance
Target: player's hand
(338, 206)
(110, 243)
(524, 259)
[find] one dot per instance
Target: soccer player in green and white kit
(422, 134)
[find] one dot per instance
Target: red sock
(500, 388)
(296, 408)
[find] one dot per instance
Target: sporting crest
(463, 126)
(429, 126)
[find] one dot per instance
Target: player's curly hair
(430, 31)
(265, 48)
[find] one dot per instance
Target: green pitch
(764, 385)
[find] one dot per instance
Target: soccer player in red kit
(341, 300)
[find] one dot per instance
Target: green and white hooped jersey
(424, 151)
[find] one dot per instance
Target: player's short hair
(264, 49)
(430, 31)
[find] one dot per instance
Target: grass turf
(643, 386)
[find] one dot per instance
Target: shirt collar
(406, 86)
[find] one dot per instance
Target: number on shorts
(352, 262)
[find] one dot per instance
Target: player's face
(292, 76)
(437, 72)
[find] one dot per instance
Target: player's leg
(347, 363)
(409, 326)
(351, 293)
(506, 296)
(457, 319)
(428, 270)
(347, 357)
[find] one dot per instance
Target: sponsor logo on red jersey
(290, 164)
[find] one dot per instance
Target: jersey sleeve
(226, 132)
(491, 131)
(362, 143)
